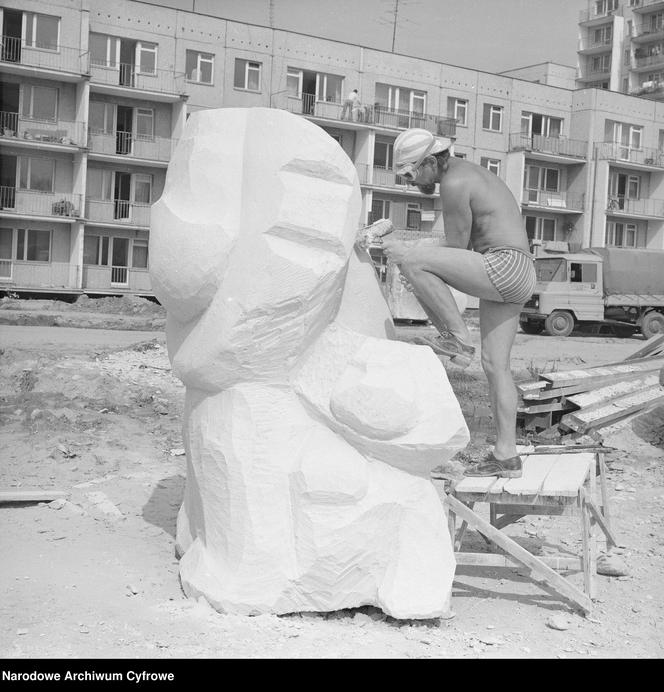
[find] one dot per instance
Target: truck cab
(569, 290)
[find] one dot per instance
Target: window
(294, 82)
(550, 269)
(458, 108)
(144, 124)
(41, 30)
(541, 228)
(492, 165)
(413, 216)
(139, 254)
(602, 35)
(621, 234)
(459, 155)
(33, 246)
(601, 63)
(39, 102)
(104, 50)
(91, 246)
(99, 184)
(538, 124)
(626, 135)
(36, 174)
(199, 67)
(328, 87)
(656, 21)
(396, 98)
(660, 143)
(580, 272)
(380, 209)
(492, 118)
(142, 189)
(603, 7)
(100, 117)
(146, 58)
(247, 75)
(383, 155)
(542, 184)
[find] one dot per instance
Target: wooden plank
(570, 449)
(555, 581)
(31, 495)
(543, 408)
(535, 469)
(476, 485)
(611, 540)
(528, 387)
(497, 487)
(616, 408)
(598, 396)
(567, 475)
(574, 377)
(494, 560)
(506, 498)
(526, 508)
(654, 344)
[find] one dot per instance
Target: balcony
(648, 6)
(647, 32)
(124, 79)
(129, 145)
(98, 278)
(591, 47)
(376, 115)
(553, 201)
(19, 274)
(650, 90)
(58, 205)
(648, 62)
(59, 132)
(16, 56)
(619, 205)
(593, 16)
(623, 153)
(119, 212)
(551, 146)
(382, 177)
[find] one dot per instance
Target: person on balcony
(485, 254)
(352, 106)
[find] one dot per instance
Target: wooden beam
(31, 495)
(654, 344)
(601, 395)
(611, 540)
(494, 560)
(555, 581)
(567, 476)
(600, 373)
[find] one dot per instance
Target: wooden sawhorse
(553, 484)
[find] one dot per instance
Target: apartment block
(93, 101)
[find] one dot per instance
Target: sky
(488, 35)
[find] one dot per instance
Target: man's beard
(427, 189)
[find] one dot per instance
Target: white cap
(412, 146)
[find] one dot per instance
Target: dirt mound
(124, 305)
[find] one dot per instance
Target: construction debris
(577, 403)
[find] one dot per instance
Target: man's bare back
(473, 197)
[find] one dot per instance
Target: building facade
(94, 100)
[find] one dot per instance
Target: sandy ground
(96, 412)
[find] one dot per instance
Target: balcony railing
(560, 146)
(649, 90)
(118, 211)
(102, 278)
(60, 58)
(35, 203)
(127, 75)
(381, 176)
(553, 200)
(590, 44)
(307, 104)
(35, 274)
(649, 61)
(48, 131)
(643, 5)
(130, 144)
(622, 152)
(592, 13)
(637, 207)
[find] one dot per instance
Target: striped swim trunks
(512, 272)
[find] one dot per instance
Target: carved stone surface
(309, 434)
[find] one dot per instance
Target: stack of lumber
(581, 401)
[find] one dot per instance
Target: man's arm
(457, 214)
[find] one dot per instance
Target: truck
(620, 287)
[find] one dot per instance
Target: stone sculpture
(309, 434)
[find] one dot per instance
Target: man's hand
(395, 250)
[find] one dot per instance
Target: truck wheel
(532, 327)
(652, 324)
(559, 323)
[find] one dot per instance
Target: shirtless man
(485, 254)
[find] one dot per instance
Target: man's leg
(431, 270)
(498, 327)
